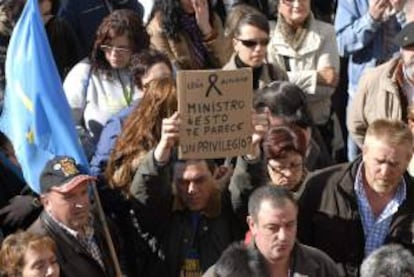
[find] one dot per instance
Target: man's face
(407, 55)
(194, 183)
(274, 231)
(71, 208)
(384, 164)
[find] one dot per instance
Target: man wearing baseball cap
(385, 91)
(68, 220)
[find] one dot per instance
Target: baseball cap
(406, 36)
(61, 174)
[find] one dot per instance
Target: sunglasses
(117, 50)
(250, 43)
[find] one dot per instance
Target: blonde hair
(16, 245)
(392, 131)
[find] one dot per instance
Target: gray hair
(389, 261)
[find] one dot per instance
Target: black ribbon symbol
(212, 79)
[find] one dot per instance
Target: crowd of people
(321, 193)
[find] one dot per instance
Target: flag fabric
(36, 116)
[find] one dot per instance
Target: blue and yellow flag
(36, 117)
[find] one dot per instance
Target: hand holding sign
(260, 122)
(169, 137)
(222, 175)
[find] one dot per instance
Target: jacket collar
(300, 261)
(264, 78)
(350, 173)
(393, 75)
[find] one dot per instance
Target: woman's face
(250, 45)
(288, 171)
(157, 71)
(118, 52)
(294, 12)
(40, 263)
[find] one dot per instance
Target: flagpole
(108, 237)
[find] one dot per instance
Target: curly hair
(169, 12)
(141, 132)
(16, 245)
(118, 23)
(142, 62)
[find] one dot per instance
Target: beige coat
(179, 52)
(377, 96)
(318, 50)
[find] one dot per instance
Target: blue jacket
(365, 41)
(106, 143)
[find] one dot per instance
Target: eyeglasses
(118, 50)
(292, 167)
(291, 2)
(251, 43)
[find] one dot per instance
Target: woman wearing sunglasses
(249, 43)
(101, 85)
(307, 50)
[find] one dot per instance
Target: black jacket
(329, 218)
(171, 223)
(72, 257)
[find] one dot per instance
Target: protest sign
(215, 110)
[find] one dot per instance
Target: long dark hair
(118, 23)
(169, 12)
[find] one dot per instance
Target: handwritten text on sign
(215, 111)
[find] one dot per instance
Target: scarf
(257, 71)
(189, 25)
(291, 36)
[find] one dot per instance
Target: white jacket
(318, 50)
(95, 97)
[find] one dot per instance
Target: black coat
(171, 222)
(329, 218)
